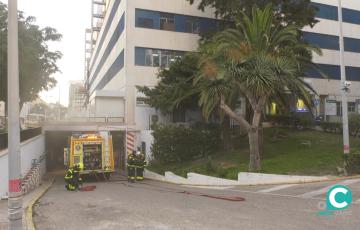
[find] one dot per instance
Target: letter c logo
(339, 198)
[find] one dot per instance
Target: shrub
(281, 120)
(354, 124)
(352, 163)
(174, 143)
(331, 127)
(305, 120)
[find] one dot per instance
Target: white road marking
(324, 190)
(209, 187)
(349, 182)
(271, 194)
(277, 188)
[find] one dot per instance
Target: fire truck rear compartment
(92, 156)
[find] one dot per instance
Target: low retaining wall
(260, 178)
(243, 179)
(32, 149)
(198, 179)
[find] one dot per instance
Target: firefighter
(131, 165)
(73, 179)
(77, 177)
(140, 165)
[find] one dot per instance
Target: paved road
(155, 205)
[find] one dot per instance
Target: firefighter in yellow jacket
(73, 179)
(131, 165)
(140, 163)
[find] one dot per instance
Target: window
(351, 16)
(174, 22)
(322, 40)
(142, 101)
(152, 57)
(351, 108)
(165, 58)
(338, 108)
(156, 57)
(167, 21)
(146, 22)
(192, 26)
(148, 57)
(333, 71)
(115, 68)
(326, 11)
(352, 73)
(352, 45)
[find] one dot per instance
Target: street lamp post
(15, 196)
(344, 85)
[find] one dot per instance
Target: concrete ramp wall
(32, 149)
(243, 179)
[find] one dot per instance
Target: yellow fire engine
(93, 152)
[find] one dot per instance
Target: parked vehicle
(92, 152)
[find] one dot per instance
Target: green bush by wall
(174, 143)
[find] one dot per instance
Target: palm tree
(258, 59)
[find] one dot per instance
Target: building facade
(140, 36)
(137, 38)
(325, 35)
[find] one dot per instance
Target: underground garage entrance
(56, 141)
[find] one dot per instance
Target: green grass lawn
(286, 154)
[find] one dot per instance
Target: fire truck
(92, 152)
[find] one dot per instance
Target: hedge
(352, 163)
(174, 143)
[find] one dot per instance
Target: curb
(328, 179)
(29, 222)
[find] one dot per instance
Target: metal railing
(90, 120)
(24, 136)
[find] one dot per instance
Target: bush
(281, 120)
(331, 127)
(352, 163)
(304, 120)
(174, 143)
(354, 124)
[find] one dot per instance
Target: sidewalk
(26, 201)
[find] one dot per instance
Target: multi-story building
(137, 38)
(140, 36)
(325, 35)
(77, 100)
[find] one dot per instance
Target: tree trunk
(226, 135)
(255, 141)
(254, 165)
(261, 139)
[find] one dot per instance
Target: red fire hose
(228, 198)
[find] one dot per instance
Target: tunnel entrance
(56, 141)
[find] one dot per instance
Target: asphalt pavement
(155, 205)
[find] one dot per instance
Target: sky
(70, 18)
